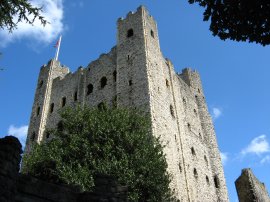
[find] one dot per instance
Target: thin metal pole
(58, 47)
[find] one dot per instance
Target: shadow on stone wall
(17, 187)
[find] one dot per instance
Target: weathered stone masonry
(135, 74)
(250, 189)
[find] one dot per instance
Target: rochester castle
(135, 74)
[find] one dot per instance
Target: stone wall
(250, 189)
(16, 187)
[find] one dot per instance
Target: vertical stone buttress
(192, 78)
(42, 105)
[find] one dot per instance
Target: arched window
(130, 82)
(152, 34)
(64, 100)
(130, 33)
(52, 107)
(103, 82)
(47, 135)
(89, 89)
(38, 110)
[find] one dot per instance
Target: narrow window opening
(103, 82)
(199, 90)
(205, 159)
(130, 82)
(216, 181)
(52, 107)
(152, 34)
(114, 76)
(195, 112)
(130, 33)
(180, 167)
(200, 135)
(38, 110)
(47, 135)
(114, 101)
(172, 111)
(75, 96)
(40, 84)
(64, 100)
(184, 100)
(89, 89)
(167, 83)
(128, 57)
(193, 151)
(189, 127)
(33, 136)
(207, 180)
(195, 173)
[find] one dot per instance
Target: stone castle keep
(135, 74)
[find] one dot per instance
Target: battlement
(139, 11)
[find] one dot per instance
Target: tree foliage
(239, 20)
(115, 142)
(14, 11)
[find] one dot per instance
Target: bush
(115, 142)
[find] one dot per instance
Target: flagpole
(58, 48)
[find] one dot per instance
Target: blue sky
(235, 75)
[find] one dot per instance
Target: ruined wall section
(84, 87)
(42, 100)
(250, 189)
(192, 79)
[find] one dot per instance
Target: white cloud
(53, 13)
(258, 145)
(216, 112)
(19, 132)
(266, 159)
(224, 157)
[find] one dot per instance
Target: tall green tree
(14, 11)
(115, 142)
(240, 20)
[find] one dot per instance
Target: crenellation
(135, 74)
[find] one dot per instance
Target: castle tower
(135, 74)
(178, 110)
(42, 105)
